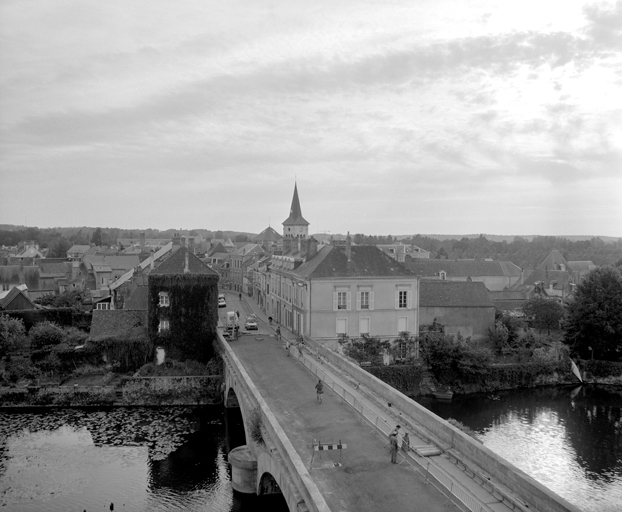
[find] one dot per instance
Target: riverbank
(129, 391)
(417, 380)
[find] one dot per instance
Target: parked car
(251, 323)
(222, 303)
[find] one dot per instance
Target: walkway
(366, 480)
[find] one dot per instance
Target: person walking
(287, 345)
(240, 296)
(393, 446)
(406, 443)
(396, 430)
(319, 388)
(278, 334)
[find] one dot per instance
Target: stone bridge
(444, 470)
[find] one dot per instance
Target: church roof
(267, 235)
(295, 213)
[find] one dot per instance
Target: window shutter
(397, 300)
(358, 301)
(348, 301)
(410, 300)
(371, 300)
(334, 301)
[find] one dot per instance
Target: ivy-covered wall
(192, 313)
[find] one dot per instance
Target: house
(78, 252)
(460, 307)
(509, 300)
(16, 299)
(182, 306)
(241, 259)
(330, 291)
(55, 275)
(100, 271)
(555, 277)
(496, 275)
(400, 252)
(15, 275)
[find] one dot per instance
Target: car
(222, 303)
(251, 323)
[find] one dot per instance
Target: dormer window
(164, 299)
(443, 275)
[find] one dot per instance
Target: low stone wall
(178, 390)
(57, 396)
(134, 391)
(449, 437)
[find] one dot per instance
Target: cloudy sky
(397, 117)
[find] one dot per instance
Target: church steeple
(295, 226)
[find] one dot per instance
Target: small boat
(443, 395)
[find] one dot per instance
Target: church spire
(295, 225)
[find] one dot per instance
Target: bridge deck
(366, 480)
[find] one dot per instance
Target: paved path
(366, 480)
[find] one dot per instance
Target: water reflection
(568, 439)
(139, 459)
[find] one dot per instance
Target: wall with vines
(192, 314)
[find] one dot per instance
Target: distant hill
(510, 238)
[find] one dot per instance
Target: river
(133, 459)
(569, 439)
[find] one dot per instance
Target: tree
(97, 237)
(595, 315)
(547, 313)
(12, 333)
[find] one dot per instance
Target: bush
(46, 333)
(75, 336)
(255, 423)
(12, 334)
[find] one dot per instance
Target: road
(366, 480)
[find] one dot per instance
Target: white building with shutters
(328, 291)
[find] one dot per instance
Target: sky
(400, 117)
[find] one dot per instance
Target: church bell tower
(295, 226)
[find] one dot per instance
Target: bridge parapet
(277, 456)
(450, 439)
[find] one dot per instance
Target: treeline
(59, 240)
(522, 252)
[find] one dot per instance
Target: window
(364, 298)
(342, 326)
(103, 305)
(402, 299)
(342, 300)
(164, 299)
(163, 326)
(402, 324)
(363, 326)
(443, 275)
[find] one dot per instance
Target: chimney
(142, 242)
(183, 241)
(176, 240)
(151, 262)
(191, 244)
(349, 247)
(186, 263)
(312, 248)
(522, 276)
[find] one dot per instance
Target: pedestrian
(396, 430)
(287, 345)
(270, 320)
(406, 443)
(393, 445)
(301, 345)
(240, 296)
(319, 388)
